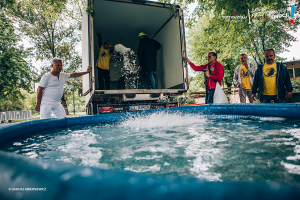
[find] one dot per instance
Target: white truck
(120, 22)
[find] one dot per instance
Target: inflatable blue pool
(25, 178)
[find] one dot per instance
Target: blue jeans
(209, 96)
(268, 98)
(153, 79)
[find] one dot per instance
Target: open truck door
(86, 55)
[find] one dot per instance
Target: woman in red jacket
(214, 73)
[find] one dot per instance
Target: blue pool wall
(13, 130)
(56, 180)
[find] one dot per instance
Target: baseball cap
(141, 33)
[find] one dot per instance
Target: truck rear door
(86, 56)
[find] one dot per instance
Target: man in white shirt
(51, 88)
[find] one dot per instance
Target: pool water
(250, 149)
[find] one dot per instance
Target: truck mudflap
(117, 108)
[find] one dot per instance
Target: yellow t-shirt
(245, 78)
(103, 58)
(269, 80)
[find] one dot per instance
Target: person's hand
(289, 95)
(37, 107)
(254, 97)
(207, 73)
(89, 69)
(98, 33)
(186, 59)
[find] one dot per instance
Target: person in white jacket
(243, 78)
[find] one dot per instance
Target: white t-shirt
(53, 87)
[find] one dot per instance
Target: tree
(196, 83)
(267, 27)
(16, 74)
(53, 29)
(254, 27)
(201, 41)
(7, 4)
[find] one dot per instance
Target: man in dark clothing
(272, 81)
(147, 54)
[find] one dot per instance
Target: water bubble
(65, 176)
(175, 187)
(150, 181)
(133, 180)
(162, 189)
(86, 172)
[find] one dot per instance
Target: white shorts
(58, 111)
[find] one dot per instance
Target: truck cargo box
(120, 22)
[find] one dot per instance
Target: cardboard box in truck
(120, 22)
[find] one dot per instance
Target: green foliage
(296, 85)
(90, 11)
(30, 101)
(229, 65)
(48, 27)
(196, 83)
(187, 101)
(200, 42)
(169, 100)
(53, 27)
(7, 3)
(78, 101)
(26, 102)
(16, 74)
(214, 27)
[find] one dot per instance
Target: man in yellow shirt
(105, 53)
(272, 81)
(243, 78)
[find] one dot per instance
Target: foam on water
(77, 149)
(161, 120)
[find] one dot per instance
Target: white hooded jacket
(237, 74)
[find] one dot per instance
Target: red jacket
(217, 73)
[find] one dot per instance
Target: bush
(296, 84)
(169, 100)
(188, 101)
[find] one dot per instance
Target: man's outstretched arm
(99, 39)
(78, 74)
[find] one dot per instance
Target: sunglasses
(208, 57)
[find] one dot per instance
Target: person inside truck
(213, 73)
(51, 89)
(147, 53)
(105, 53)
